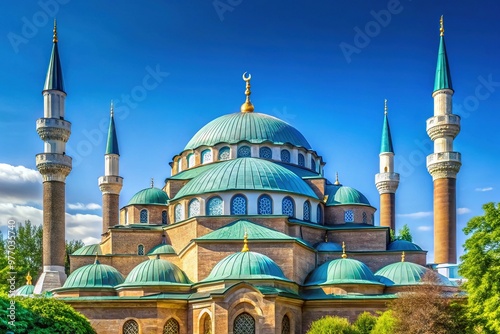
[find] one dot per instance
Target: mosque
(247, 234)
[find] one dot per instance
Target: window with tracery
(288, 206)
(239, 205)
(319, 214)
(171, 327)
(301, 160)
(140, 250)
(206, 325)
(143, 216)
(190, 159)
(265, 205)
(285, 325)
(215, 206)
(130, 327)
(164, 217)
(349, 216)
(307, 211)
(244, 324)
(244, 152)
(224, 153)
(265, 153)
(285, 155)
(365, 218)
(179, 212)
(206, 156)
(194, 208)
(313, 165)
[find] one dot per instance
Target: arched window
(215, 206)
(319, 214)
(265, 205)
(307, 211)
(130, 327)
(288, 206)
(178, 212)
(244, 152)
(164, 217)
(194, 208)
(239, 205)
(126, 216)
(206, 156)
(171, 327)
(140, 250)
(143, 216)
(265, 153)
(224, 153)
(349, 216)
(190, 159)
(365, 218)
(244, 324)
(301, 160)
(206, 325)
(285, 325)
(313, 164)
(285, 155)
(179, 165)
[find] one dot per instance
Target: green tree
(328, 324)
(386, 324)
(404, 234)
(365, 323)
(481, 267)
(71, 247)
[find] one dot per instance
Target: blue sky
(324, 67)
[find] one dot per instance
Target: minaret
(111, 183)
(387, 181)
(444, 163)
(54, 165)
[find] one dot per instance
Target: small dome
(156, 272)
(403, 245)
(162, 249)
(88, 250)
(341, 271)
(94, 276)
(327, 246)
(246, 174)
(149, 196)
(406, 273)
(342, 195)
(25, 290)
(246, 265)
(252, 127)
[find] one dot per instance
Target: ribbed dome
(25, 290)
(149, 196)
(401, 273)
(327, 246)
(403, 245)
(341, 271)
(162, 249)
(246, 174)
(88, 250)
(252, 127)
(156, 272)
(246, 265)
(342, 195)
(94, 276)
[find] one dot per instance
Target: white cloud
(484, 189)
(416, 215)
(424, 228)
(19, 185)
(462, 211)
(81, 206)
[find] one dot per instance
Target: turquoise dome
(25, 290)
(327, 246)
(401, 273)
(246, 265)
(162, 249)
(156, 272)
(246, 174)
(252, 127)
(403, 245)
(88, 250)
(342, 195)
(149, 196)
(94, 276)
(341, 271)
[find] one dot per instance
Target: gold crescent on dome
(246, 78)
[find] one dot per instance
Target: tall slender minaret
(111, 183)
(54, 165)
(387, 181)
(444, 163)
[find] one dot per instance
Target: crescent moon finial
(247, 106)
(246, 78)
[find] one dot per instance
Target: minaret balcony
(111, 179)
(443, 126)
(53, 166)
(53, 129)
(444, 164)
(387, 182)
(110, 184)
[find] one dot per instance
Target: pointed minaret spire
(387, 181)
(444, 164)
(54, 78)
(112, 142)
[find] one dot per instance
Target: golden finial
(245, 242)
(28, 279)
(344, 255)
(54, 38)
(441, 26)
(112, 108)
(152, 182)
(385, 107)
(326, 236)
(403, 256)
(96, 261)
(247, 106)
(337, 183)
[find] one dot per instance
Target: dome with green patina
(342, 195)
(252, 127)
(403, 245)
(162, 249)
(246, 174)
(149, 196)
(406, 273)
(156, 272)
(245, 265)
(94, 275)
(341, 271)
(25, 290)
(88, 250)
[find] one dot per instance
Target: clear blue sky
(300, 73)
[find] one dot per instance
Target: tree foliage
(330, 324)
(404, 233)
(481, 267)
(386, 324)
(365, 323)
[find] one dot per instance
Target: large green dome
(25, 290)
(149, 196)
(94, 276)
(342, 195)
(246, 174)
(156, 272)
(252, 127)
(401, 273)
(246, 265)
(341, 271)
